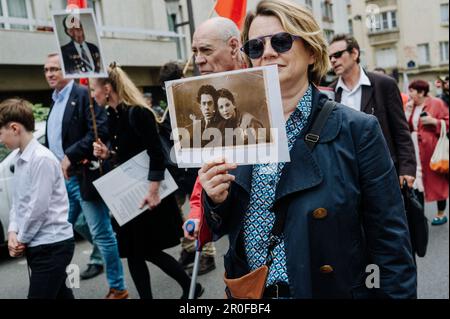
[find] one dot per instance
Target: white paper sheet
(124, 188)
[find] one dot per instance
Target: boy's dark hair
(17, 110)
(207, 90)
(351, 43)
(169, 72)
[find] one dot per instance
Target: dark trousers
(441, 204)
(48, 265)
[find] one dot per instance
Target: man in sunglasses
(215, 45)
(374, 94)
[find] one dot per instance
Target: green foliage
(163, 104)
(3, 152)
(40, 112)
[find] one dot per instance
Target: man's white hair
(225, 28)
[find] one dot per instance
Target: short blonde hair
(296, 20)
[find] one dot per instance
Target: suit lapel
(243, 176)
(338, 95)
(366, 97)
(301, 173)
(71, 105)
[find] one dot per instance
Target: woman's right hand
(215, 180)
(100, 150)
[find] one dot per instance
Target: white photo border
(275, 151)
(56, 28)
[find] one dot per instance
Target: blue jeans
(77, 219)
(99, 222)
(96, 214)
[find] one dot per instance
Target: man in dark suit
(69, 136)
(373, 94)
(79, 56)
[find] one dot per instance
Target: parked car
(6, 173)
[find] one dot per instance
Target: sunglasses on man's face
(338, 54)
(280, 42)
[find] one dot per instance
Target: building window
(350, 26)
(386, 58)
(327, 11)
(385, 21)
(424, 54)
(444, 13)
(329, 34)
(15, 14)
(443, 49)
(309, 4)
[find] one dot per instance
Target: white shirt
(55, 119)
(352, 98)
(40, 204)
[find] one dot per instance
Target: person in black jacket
(69, 135)
(132, 129)
(374, 94)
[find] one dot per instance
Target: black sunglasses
(338, 54)
(280, 42)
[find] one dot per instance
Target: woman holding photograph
(233, 118)
(132, 129)
(341, 200)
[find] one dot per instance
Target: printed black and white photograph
(79, 44)
(231, 111)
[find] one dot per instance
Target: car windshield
(3, 152)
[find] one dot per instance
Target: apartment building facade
(408, 38)
(141, 35)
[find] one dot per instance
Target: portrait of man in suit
(79, 56)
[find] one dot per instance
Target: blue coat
(344, 212)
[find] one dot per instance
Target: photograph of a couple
(224, 111)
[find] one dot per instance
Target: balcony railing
(109, 31)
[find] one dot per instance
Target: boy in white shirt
(38, 225)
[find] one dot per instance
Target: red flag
(84, 81)
(232, 9)
(77, 3)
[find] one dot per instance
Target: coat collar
(366, 95)
(71, 105)
(303, 172)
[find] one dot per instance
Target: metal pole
(175, 29)
(191, 19)
(191, 31)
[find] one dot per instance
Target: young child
(38, 226)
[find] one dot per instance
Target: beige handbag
(439, 160)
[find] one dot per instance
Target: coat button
(320, 213)
(326, 269)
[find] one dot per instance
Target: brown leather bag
(250, 286)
